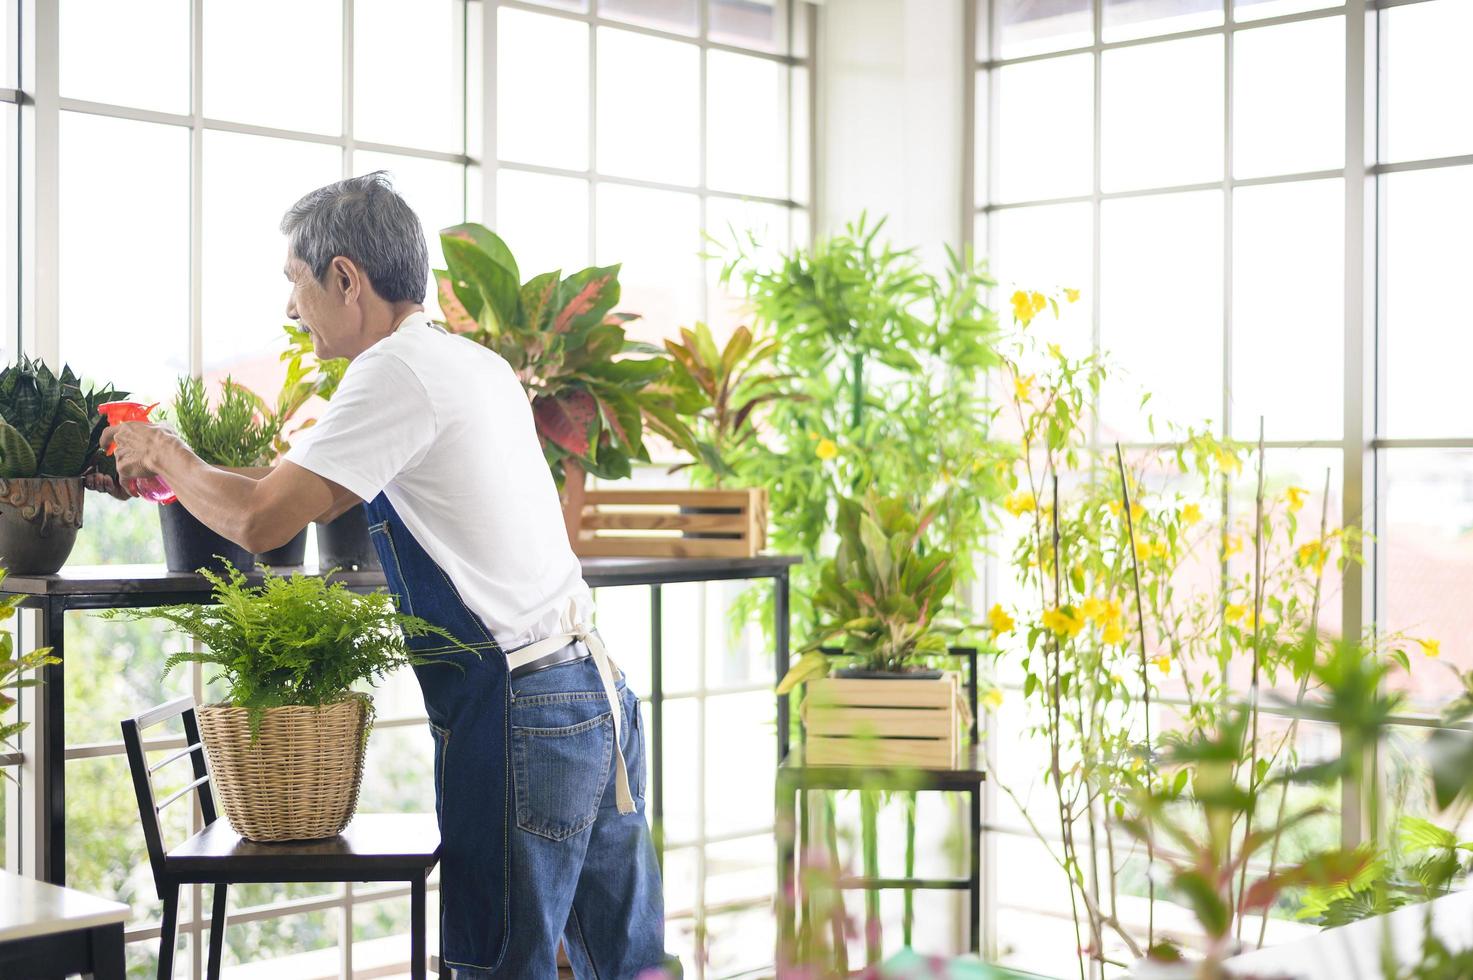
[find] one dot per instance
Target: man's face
(319, 308)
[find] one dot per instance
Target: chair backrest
(148, 807)
(966, 654)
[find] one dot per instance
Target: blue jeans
(580, 871)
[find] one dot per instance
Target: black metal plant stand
(139, 586)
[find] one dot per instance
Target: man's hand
(103, 483)
(139, 447)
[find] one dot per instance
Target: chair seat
(967, 773)
(374, 847)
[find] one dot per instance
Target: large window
(626, 133)
(1257, 198)
(161, 140)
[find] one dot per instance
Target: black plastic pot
(343, 542)
(189, 545)
(919, 674)
(289, 555)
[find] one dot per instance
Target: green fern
(301, 640)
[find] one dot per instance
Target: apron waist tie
(605, 665)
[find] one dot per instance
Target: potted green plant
(591, 400)
(343, 541)
(49, 429)
(239, 431)
(286, 744)
(879, 604)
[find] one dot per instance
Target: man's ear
(346, 278)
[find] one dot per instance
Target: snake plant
(49, 426)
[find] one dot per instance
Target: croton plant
(594, 392)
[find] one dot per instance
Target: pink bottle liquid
(152, 488)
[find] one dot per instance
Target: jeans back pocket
(560, 775)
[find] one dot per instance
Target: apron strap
(605, 665)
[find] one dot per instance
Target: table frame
(144, 586)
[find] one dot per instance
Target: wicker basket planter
(299, 779)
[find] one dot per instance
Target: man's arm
(258, 514)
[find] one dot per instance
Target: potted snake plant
(595, 394)
(238, 431)
(343, 541)
(286, 744)
(879, 605)
(49, 430)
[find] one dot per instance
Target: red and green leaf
(566, 420)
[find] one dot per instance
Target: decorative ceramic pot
(39, 520)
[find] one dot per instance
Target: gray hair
(363, 219)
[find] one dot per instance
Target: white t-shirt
(443, 427)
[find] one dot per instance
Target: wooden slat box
(856, 721)
(673, 523)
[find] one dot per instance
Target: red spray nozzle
(117, 412)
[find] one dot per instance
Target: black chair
(796, 778)
(374, 847)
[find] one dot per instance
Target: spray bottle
(149, 487)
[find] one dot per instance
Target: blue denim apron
(466, 699)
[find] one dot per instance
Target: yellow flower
(1191, 514)
(1145, 550)
(999, 620)
(1062, 622)
(1019, 504)
(1023, 387)
(1137, 512)
(1315, 554)
(1432, 648)
(1232, 546)
(1228, 460)
(1072, 295)
(1114, 632)
(826, 449)
(992, 698)
(1027, 305)
(1092, 608)
(1163, 663)
(1296, 497)
(1234, 612)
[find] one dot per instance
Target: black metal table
(46, 931)
(138, 586)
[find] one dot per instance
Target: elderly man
(539, 761)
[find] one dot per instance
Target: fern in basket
(295, 640)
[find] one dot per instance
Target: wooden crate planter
(673, 523)
(881, 722)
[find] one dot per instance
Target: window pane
(133, 246)
(544, 220)
(1161, 309)
(435, 189)
(1288, 309)
(1045, 128)
(746, 136)
(768, 224)
(549, 56)
(1258, 9)
(124, 53)
(9, 222)
(249, 182)
(667, 15)
(1142, 18)
(656, 235)
(1028, 27)
(1429, 339)
(1428, 564)
(301, 92)
(740, 799)
(749, 23)
(647, 107)
(1157, 134)
(1046, 248)
(1289, 98)
(419, 107)
(1424, 51)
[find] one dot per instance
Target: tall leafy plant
(240, 430)
(888, 359)
(49, 425)
(592, 400)
(307, 377)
